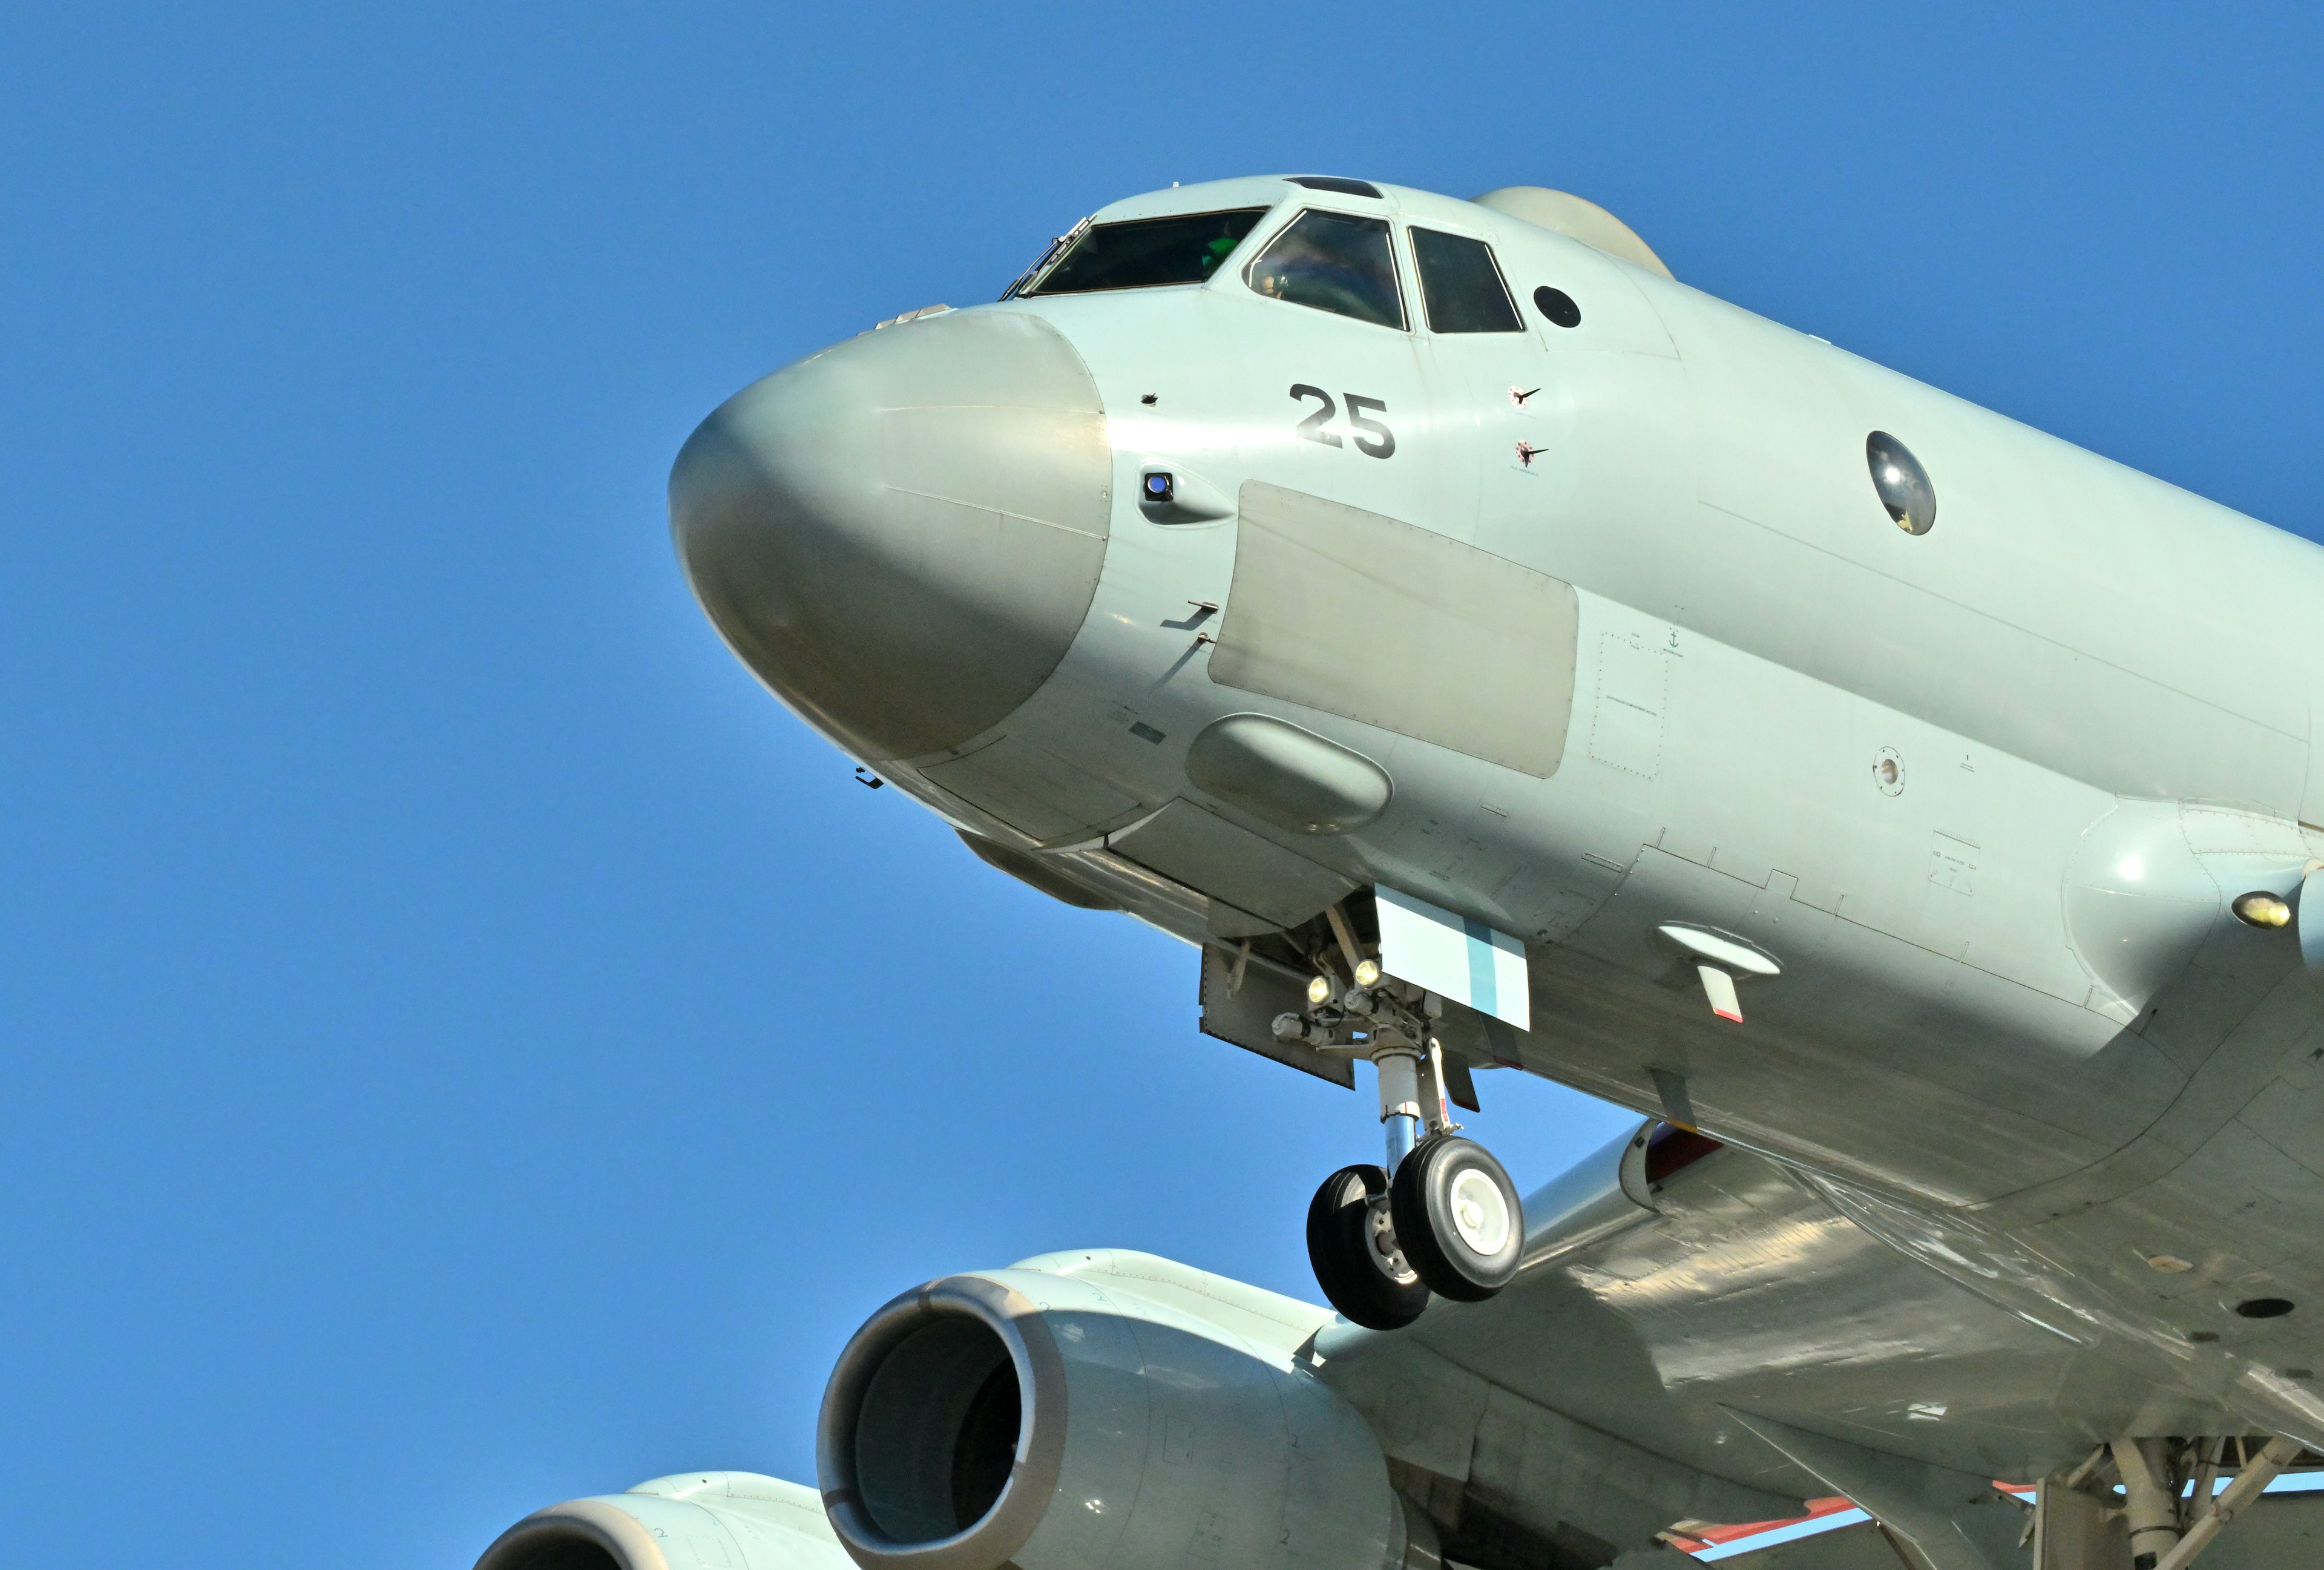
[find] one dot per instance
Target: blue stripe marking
(1484, 993)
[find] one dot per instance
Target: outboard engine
(695, 1521)
(1101, 1409)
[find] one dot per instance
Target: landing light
(1319, 989)
(1902, 483)
(2262, 909)
(1366, 972)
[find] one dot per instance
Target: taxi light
(1319, 989)
(1367, 973)
(2262, 909)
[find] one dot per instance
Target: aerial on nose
(902, 534)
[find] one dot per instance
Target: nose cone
(902, 534)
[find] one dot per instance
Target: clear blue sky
(466, 1045)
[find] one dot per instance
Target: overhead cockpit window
(1462, 285)
(1334, 262)
(1148, 252)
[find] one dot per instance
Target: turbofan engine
(1142, 1415)
(1110, 1410)
(695, 1521)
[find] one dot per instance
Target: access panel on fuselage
(1363, 616)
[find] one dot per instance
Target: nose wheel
(1442, 1216)
(1458, 1218)
(1351, 1244)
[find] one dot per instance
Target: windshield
(1335, 261)
(1461, 284)
(1146, 252)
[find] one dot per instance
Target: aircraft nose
(901, 534)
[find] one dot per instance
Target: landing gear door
(1241, 1003)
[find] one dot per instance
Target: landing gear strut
(1442, 1215)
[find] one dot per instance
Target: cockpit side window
(1148, 252)
(1334, 262)
(1462, 285)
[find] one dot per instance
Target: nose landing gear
(1459, 1217)
(1351, 1244)
(1442, 1216)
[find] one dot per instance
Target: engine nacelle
(1101, 1410)
(695, 1521)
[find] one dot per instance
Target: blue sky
(466, 1045)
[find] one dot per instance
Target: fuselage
(1618, 614)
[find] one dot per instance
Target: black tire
(1459, 1218)
(1343, 1226)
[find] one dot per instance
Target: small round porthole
(1557, 305)
(1902, 483)
(1888, 772)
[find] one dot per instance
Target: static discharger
(1721, 958)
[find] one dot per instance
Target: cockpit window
(1334, 262)
(1146, 252)
(1462, 285)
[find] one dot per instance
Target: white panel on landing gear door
(1453, 957)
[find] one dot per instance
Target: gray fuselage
(1618, 614)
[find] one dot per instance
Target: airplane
(1490, 654)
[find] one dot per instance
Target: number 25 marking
(1376, 440)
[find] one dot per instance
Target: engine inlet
(933, 1447)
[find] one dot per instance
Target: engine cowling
(695, 1521)
(1101, 1410)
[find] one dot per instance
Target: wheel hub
(1480, 1214)
(1386, 1252)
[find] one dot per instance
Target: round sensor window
(1557, 306)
